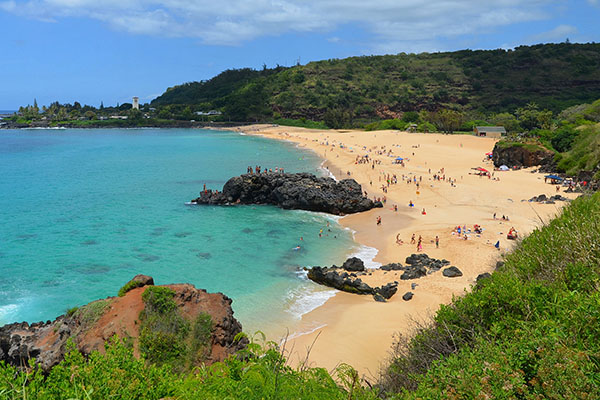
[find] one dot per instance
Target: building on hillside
(136, 103)
(495, 132)
(211, 112)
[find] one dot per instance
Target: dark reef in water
(300, 191)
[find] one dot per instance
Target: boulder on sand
(452, 272)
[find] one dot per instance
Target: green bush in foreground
(260, 374)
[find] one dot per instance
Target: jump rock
(301, 191)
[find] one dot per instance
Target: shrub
(129, 286)
(71, 311)
(159, 299)
(90, 313)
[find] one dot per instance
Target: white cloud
(560, 33)
(395, 25)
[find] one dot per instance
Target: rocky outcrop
(519, 155)
(300, 191)
(354, 264)
(340, 278)
(419, 265)
(344, 278)
(92, 325)
(542, 198)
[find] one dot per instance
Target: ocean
(83, 211)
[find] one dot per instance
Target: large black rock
(452, 272)
(302, 191)
(354, 264)
(339, 279)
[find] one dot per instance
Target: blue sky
(110, 50)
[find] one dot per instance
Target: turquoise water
(83, 211)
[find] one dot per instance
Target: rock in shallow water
(302, 191)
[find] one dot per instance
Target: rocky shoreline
(90, 326)
(347, 278)
(299, 191)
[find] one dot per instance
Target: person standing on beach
(437, 242)
(420, 244)
(412, 239)
(378, 220)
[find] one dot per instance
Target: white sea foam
(304, 299)
(8, 313)
(308, 332)
(327, 171)
(367, 254)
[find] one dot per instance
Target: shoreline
(355, 329)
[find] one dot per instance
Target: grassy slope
(530, 331)
(585, 154)
(555, 76)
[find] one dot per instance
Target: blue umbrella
(399, 158)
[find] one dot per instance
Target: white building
(136, 103)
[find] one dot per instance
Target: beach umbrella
(503, 168)
(482, 169)
(399, 158)
(497, 245)
(489, 154)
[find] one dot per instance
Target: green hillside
(554, 76)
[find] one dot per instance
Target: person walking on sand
(378, 220)
(437, 242)
(420, 244)
(412, 239)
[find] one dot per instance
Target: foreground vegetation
(529, 331)
(258, 373)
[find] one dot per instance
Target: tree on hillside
(446, 120)
(508, 121)
(530, 117)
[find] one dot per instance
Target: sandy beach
(356, 329)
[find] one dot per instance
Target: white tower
(136, 103)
